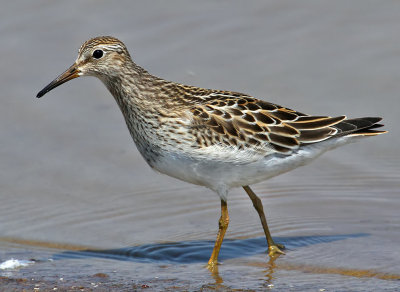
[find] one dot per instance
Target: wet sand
(78, 200)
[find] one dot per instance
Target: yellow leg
(223, 225)
(273, 248)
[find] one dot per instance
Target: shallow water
(78, 199)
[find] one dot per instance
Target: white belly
(220, 175)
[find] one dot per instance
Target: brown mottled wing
(245, 122)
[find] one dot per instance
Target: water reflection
(189, 252)
(270, 266)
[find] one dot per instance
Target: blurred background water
(72, 180)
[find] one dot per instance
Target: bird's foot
(212, 266)
(275, 250)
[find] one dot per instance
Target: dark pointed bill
(69, 74)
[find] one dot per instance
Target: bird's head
(99, 57)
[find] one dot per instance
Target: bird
(213, 138)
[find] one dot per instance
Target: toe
(275, 250)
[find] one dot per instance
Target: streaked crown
(103, 55)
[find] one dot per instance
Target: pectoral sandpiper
(213, 138)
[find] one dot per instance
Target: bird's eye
(97, 54)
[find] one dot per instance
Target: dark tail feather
(359, 127)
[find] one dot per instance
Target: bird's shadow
(200, 250)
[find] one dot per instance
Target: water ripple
(199, 251)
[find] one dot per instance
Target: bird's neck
(134, 86)
(135, 91)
